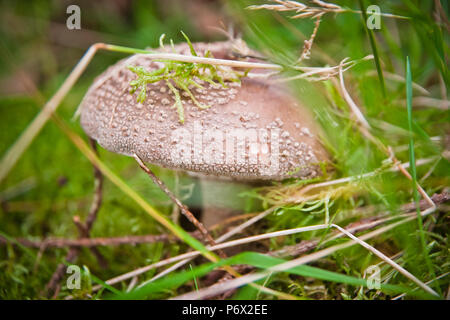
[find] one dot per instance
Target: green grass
(256, 260)
(374, 48)
(412, 160)
(59, 181)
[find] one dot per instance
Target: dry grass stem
(235, 283)
(398, 78)
(305, 11)
(322, 73)
(298, 196)
(301, 10)
(354, 108)
(18, 148)
(222, 238)
(184, 210)
(370, 224)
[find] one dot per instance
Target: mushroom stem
(175, 215)
(220, 199)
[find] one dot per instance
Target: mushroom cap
(254, 130)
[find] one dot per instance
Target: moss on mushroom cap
(253, 130)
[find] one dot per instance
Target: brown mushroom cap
(253, 131)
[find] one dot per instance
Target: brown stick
(308, 245)
(307, 44)
(95, 207)
(95, 242)
(53, 286)
(113, 241)
(184, 210)
(83, 231)
(98, 195)
(143, 239)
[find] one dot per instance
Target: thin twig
(359, 116)
(221, 239)
(307, 45)
(364, 127)
(306, 11)
(296, 197)
(18, 148)
(223, 287)
(301, 248)
(53, 286)
(322, 73)
(145, 239)
(96, 242)
(184, 210)
(389, 261)
(398, 78)
(428, 282)
(116, 241)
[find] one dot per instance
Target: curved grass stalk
(180, 259)
(358, 114)
(235, 283)
(186, 257)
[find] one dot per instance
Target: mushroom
(253, 131)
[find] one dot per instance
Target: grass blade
(374, 49)
(412, 162)
(259, 261)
